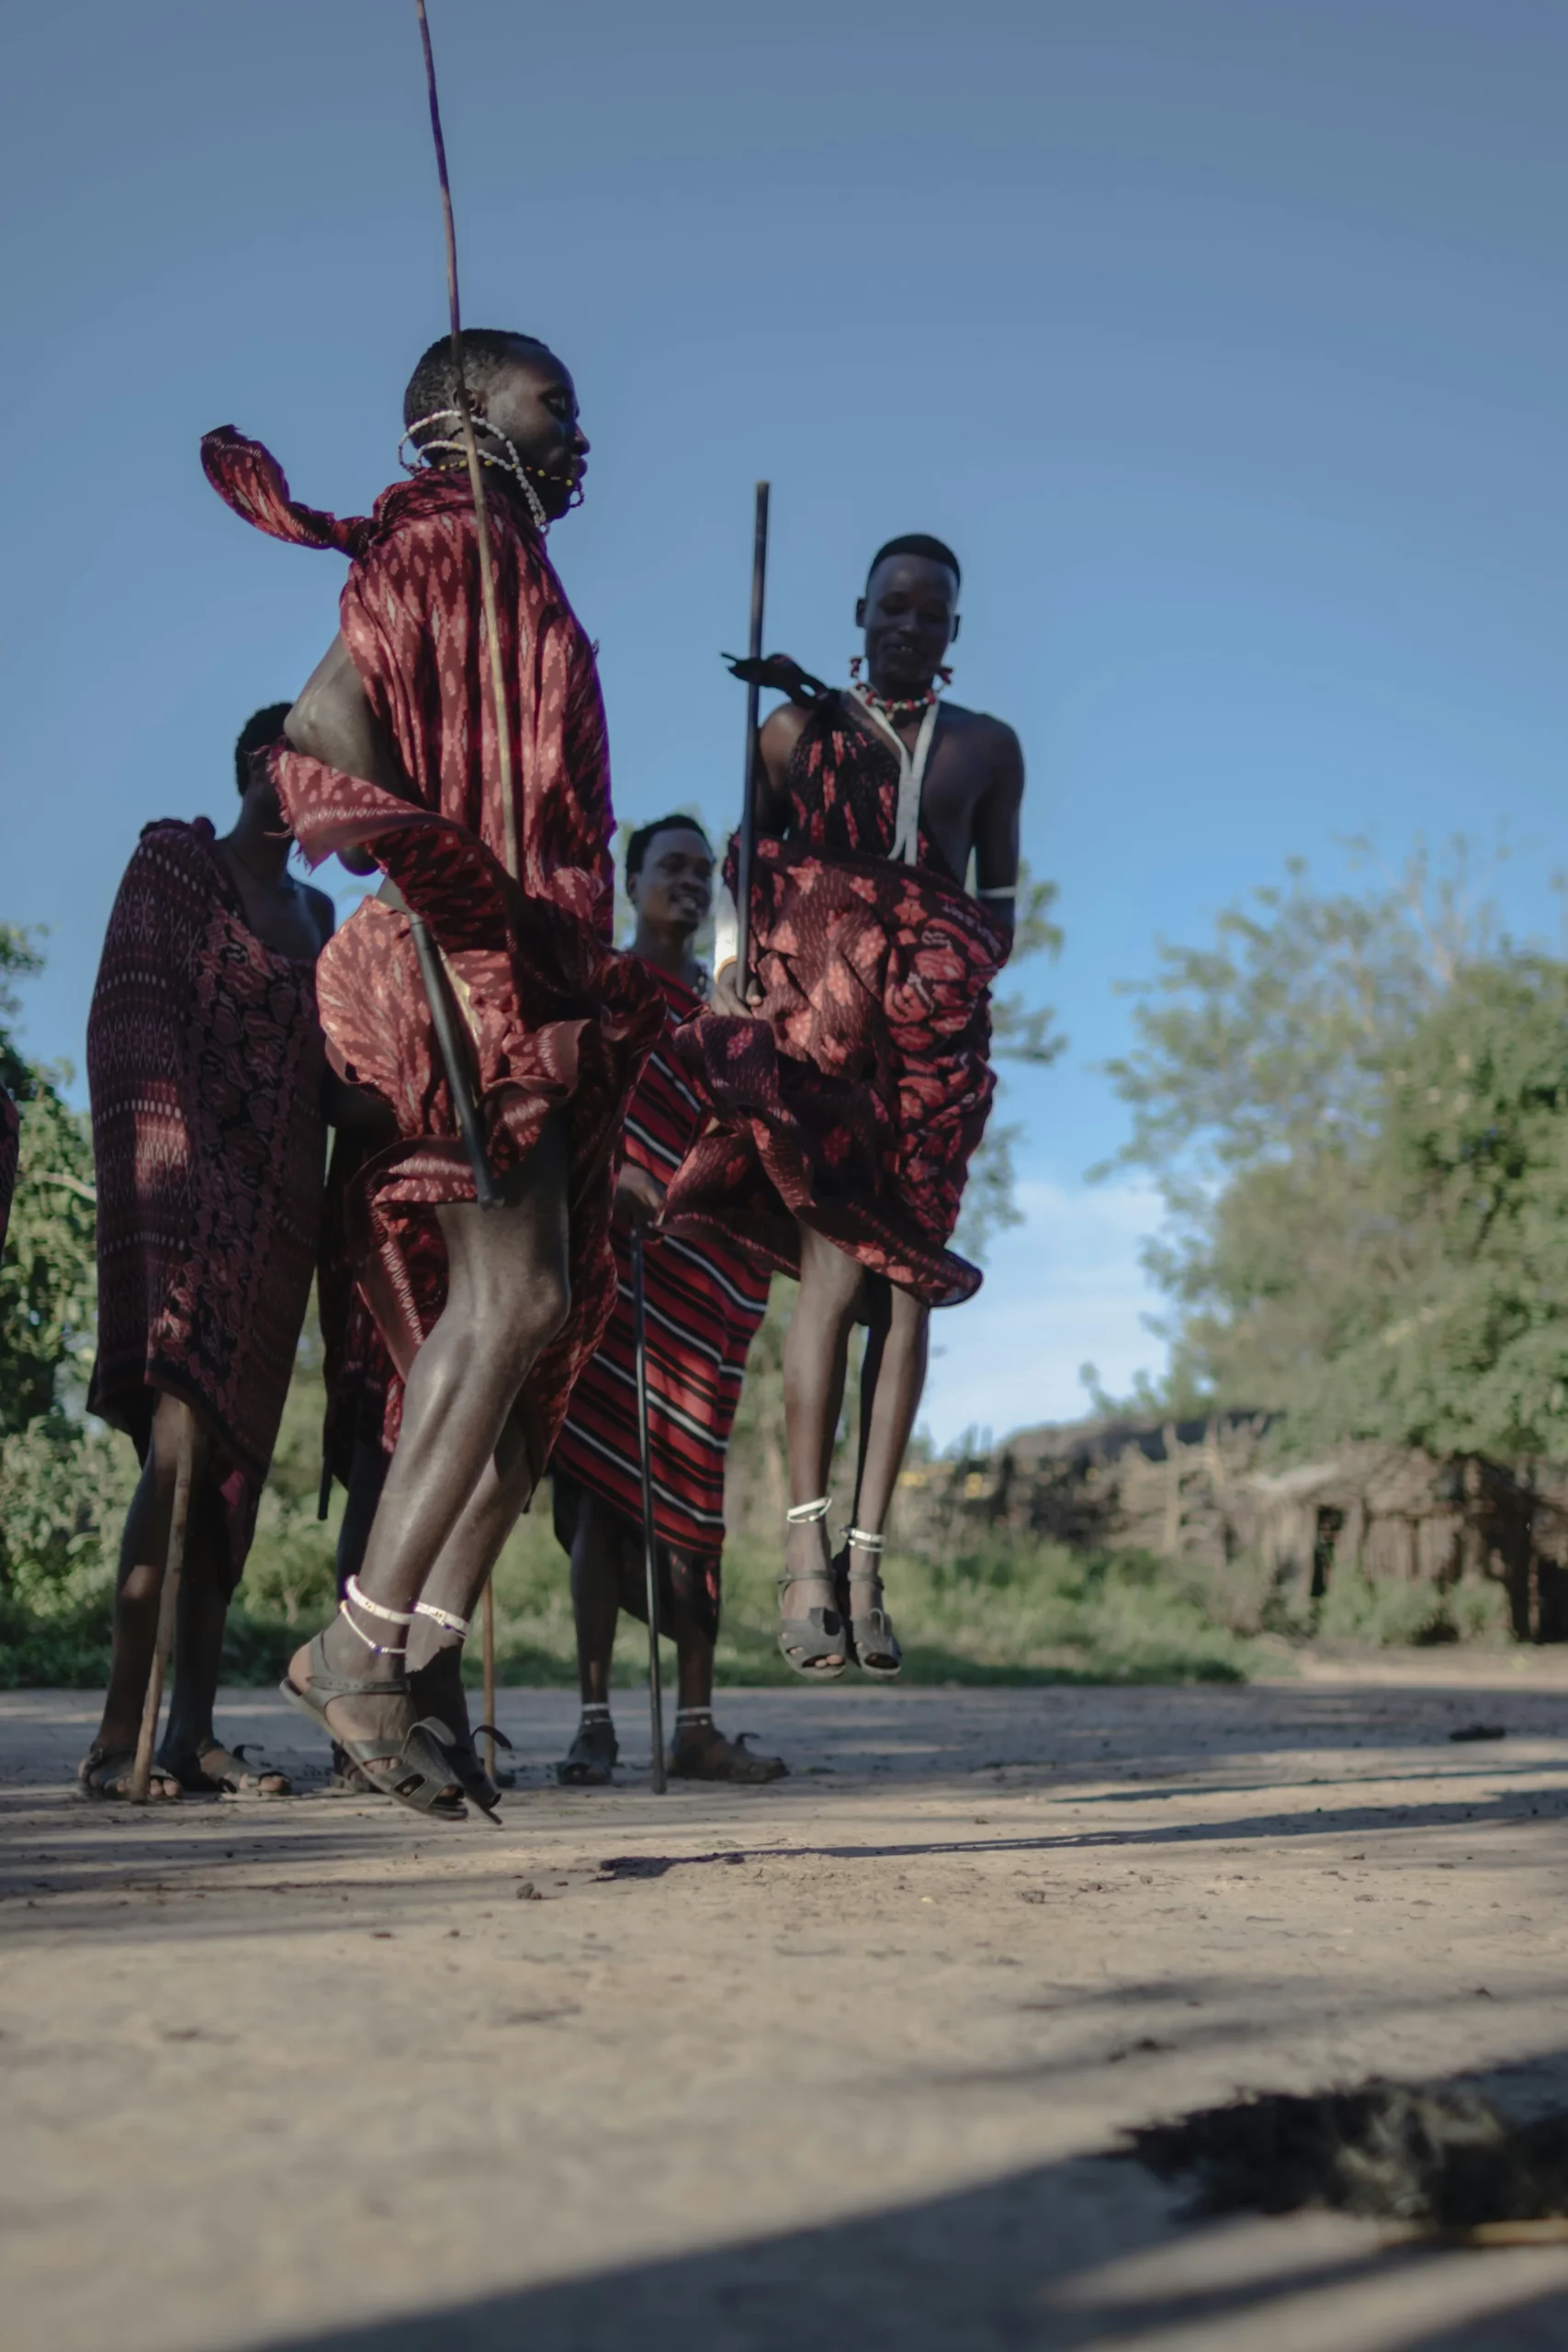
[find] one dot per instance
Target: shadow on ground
(1086, 2252)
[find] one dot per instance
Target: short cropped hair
(919, 543)
(262, 728)
(636, 848)
(433, 386)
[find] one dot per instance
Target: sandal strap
(332, 1685)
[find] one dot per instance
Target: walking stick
(748, 773)
(492, 631)
(650, 1537)
(168, 1601)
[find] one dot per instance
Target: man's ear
(859, 612)
(957, 625)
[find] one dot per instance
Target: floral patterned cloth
(856, 1101)
(556, 1019)
(205, 1068)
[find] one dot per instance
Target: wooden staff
(168, 1602)
(749, 785)
(492, 631)
(650, 1534)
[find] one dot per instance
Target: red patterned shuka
(855, 1101)
(205, 1069)
(704, 1301)
(556, 1018)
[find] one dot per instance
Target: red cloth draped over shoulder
(556, 1018)
(855, 1102)
(205, 1068)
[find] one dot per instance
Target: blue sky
(1224, 339)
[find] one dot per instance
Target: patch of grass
(1005, 1609)
(1358, 1608)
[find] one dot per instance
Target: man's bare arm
(333, 721)
(995, 829)
(776, 740)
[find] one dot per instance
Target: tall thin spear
(497, 674)
(472, 450)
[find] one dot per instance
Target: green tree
(62, 1483)
(1264, 1082)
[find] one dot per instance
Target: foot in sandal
(701, 1752)
(436, 1689)
(858, 1572)
(813, 1637)
(352, 1681)
(590, 1762)
(104, 1773)
(211, 1770)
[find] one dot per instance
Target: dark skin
(672, 896)
(970, 803)
(462, 1471)
(296, 922)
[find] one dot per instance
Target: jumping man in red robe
(845, 1116)
(488, 1315)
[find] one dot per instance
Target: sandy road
(832, 2064)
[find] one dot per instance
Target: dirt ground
(838, 2062)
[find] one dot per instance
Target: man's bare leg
(893, 1379)
(816, 1357)
(508, 1295)
(191, 1745)
(597, 1543)
(144, 1551)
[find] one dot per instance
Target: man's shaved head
(487, 352)
(919, 543)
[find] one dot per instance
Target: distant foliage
(1357, 1109)
(63, 1482)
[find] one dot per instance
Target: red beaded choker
(898, 713)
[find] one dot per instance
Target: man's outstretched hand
(724, 997)
(785, 676)
(640, 1197)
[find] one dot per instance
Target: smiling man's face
(909, 614)
(672, 891)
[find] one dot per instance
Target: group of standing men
(814, 1115)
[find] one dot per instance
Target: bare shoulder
(322, 911)
(988, 739)
(783, 728)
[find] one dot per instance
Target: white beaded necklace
(911, 772)
(510, 464)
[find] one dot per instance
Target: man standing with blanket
(703, 1302)
(206, 1069)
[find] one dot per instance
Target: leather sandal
(104, 1775)
(216, 1771)
(417, 1771)
(873, 1643)
(437, 1689)
(816, 1647)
